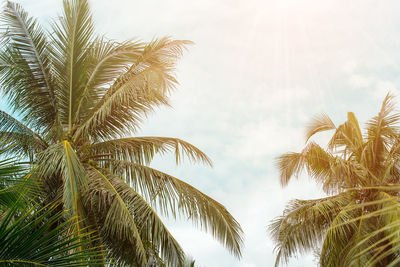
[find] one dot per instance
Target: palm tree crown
(80, 97)
(358, 223)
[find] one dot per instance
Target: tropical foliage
(358, 223)
(30, 234)
(79, 98)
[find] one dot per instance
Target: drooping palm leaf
(131, 219)
(173, 196)
(141, 150)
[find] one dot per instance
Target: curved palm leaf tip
(80, 97)
(359, 223)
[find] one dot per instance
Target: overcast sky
(259, 71)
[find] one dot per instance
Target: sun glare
(298, 4)
(289, 3)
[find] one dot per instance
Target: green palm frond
(61, 160)
(127, 215)
(118, 222)
(18, 138)
(381, 238)
(25, 68)
(30, 238)
(10, 171)
(172, 196)
(141, 150)
(109, 60)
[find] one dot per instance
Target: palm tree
(80, 97)
(357, 224)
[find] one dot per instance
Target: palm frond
(382, 240)
(303, 225)
(60, 160)
(18, 138)
(24, 93)
(338, 239)
(171, 196)
(319, 124)
(152, 231)
(348, 135)
(141, 150)
(108, 60)
(72, 39)
(10, 172)
(118, 223)
(320, 165)
(26, 56)
(144, 86)
(28, 237)
(381, 131)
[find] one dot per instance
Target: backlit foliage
(358, 224)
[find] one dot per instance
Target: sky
(259, 71)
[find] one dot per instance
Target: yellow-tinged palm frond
(366, 230)
(114, 197)
(108, 60)
(61, 161)
(289, 165)
(380, 241)
(141, 150)
(302, 226)
(173, 196)
(118, 221)
(135, 93)
(382, 132)
(332, 172)
(384, 125)
(319, 124)
(348, 136)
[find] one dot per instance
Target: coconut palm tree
(80, 98)
(357, 224)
